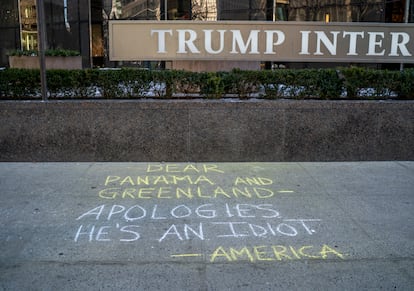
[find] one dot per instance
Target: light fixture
(327, 18)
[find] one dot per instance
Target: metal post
(407, 11)
(20, 25)
(406, 14)
(165, 10)
(41, 34)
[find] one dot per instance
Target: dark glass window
(9, 29)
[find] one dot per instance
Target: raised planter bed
(52, 62)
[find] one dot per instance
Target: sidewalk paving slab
(207, 226)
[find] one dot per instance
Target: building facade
(83, 25)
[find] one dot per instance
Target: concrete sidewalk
(212, 226)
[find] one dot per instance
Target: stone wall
(206, 130)
(57, 62)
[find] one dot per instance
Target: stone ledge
(206, 130)
(52, 62)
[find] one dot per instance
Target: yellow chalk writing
(274, 253)
(174, 192)
(240, 253)
(186, 181)
(191, 168)
(126, 180)
(261, 254)
(259, 181)
(220, 253)
(156, 180)
(186, 255)
(326, 250)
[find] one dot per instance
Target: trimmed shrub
(342, 83)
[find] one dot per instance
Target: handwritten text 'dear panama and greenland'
(172, 182)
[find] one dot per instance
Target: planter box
(29, 62)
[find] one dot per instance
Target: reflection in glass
(132, 9)
(28, 24)
(204, 10)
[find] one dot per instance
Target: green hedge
(49, 52)
(342, 83)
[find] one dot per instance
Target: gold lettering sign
(261, 41)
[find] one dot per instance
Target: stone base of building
(210, 130)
